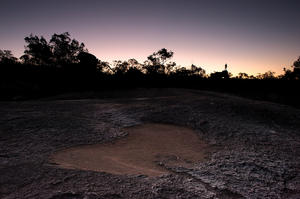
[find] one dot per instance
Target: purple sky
(250, 36)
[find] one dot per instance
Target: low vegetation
(49, 68)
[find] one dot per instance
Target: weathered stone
(256, 146)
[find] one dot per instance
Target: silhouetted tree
(268, 75)
(297, 63)
(104, 67)
(252, 77)
(7, 57)
(197, 71)
(134, 72)
(60, 51)
(88, 62)
(296, 72)
(156, 61)
(288, 74)
(160, 57)
(120, 68)
(169, 67)
(133, 63)
(37, 51)
(182, 71)
(65, 50)
(243, 76)
(259, 76)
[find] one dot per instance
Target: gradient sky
(251, 36)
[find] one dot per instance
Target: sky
(251, 36)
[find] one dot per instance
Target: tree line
(62, 51)
(54, 67)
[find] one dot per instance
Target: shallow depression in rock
(143, 151)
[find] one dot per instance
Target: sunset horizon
(250, 36)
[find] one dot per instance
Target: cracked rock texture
(256, 145)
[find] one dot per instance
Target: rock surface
(256, 145)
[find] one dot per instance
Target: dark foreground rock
(256, 145)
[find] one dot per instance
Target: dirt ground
(140, 152)
(149, 143)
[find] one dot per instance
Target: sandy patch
(141, 152)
